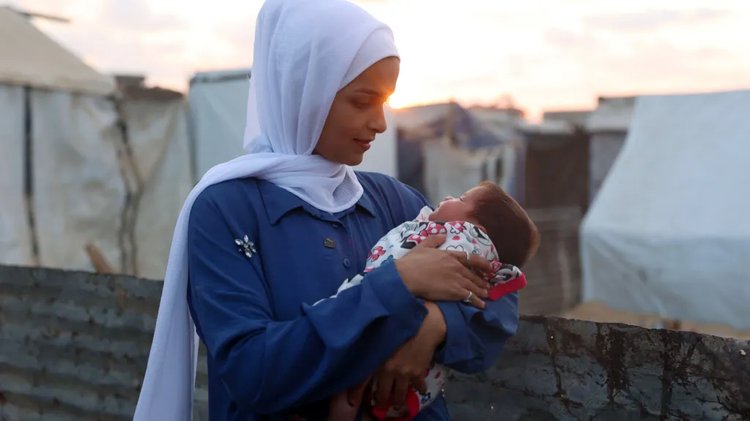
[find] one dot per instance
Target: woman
(263, 237)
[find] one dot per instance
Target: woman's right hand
(440, 275)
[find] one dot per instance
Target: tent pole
(28, 179)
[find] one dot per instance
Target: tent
(218, 101)
(217, 116)
(607, 126)
(669, 232)
(81, 168)
(57, 133)
(444, 149)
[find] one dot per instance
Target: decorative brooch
(245, 246)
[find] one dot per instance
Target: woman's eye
(366, 101)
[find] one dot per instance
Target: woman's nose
(377, 122)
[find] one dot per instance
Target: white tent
(218, 101)
(608, 126)
(446, 149)
(58, 150)
(30, 58)
(669, 232)
(78, 167)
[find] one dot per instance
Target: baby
(485, 221)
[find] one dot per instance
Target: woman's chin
(355, 160)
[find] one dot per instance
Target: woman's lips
(364, 143)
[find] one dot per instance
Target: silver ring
(468, 298)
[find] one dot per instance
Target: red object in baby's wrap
(504, 279)
(411, 404)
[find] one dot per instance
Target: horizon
(546, 55)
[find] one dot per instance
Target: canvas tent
(218, 101)
(30, 58)
(54, 116)
(607, 126)
(217, 108)
(79, 167)
(445, 149)
(669, 232)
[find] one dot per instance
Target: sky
(540, 54)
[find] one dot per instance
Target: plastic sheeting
(444, 149)
(157, 133)
(669, 232)
(450, 171)
(15, 238)
(218, 103)
(78, 191)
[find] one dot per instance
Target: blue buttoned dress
(260, 257)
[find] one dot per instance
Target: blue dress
(259, 258)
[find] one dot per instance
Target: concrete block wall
(74, 346)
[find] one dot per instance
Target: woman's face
(356, 114)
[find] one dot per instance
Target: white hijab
(305, 52)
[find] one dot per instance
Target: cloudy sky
(545, 54)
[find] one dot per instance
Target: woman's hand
(344, 406)
(440, 275)
(407, 367)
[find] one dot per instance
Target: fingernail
(485, 293)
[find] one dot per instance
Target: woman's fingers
(433, 241)
(475, 280)
(479, 264)
(384, 388)
(474, 300)
(469, 262)
(354, 395)
(400, 387)
(472, 261)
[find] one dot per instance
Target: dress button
(335, 225)
(347, 262)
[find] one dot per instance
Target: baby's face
(457, 208)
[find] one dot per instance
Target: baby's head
(514, 235)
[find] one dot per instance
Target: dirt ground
(598, 312)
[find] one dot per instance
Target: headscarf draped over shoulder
(305, 51)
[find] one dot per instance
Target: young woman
(263, 237)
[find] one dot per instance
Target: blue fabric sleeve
(268, 365)
(475, 337)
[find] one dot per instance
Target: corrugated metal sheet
(74, 345)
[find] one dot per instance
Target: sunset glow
(545, 54)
